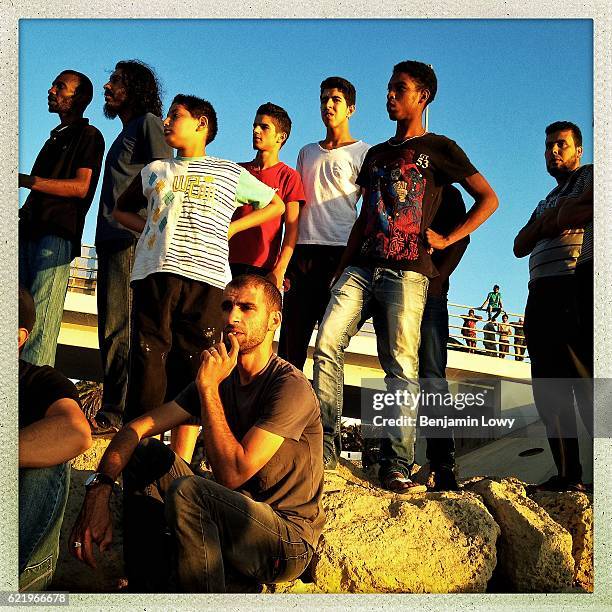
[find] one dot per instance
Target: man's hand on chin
(217, 364)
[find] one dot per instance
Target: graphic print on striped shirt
(191, 203)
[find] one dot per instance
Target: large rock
(71, 574)
(574, 511)
(535, 552)
(379, 542)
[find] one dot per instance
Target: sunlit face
(62, 93)
(246, 316)
(404, 98)
(561, 154)
(115, 94)
(334, 108)
(180, 126)
(265, 135)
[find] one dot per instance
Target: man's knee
(333, 335)
(179, 493)
(187, 492)
(327, 342)
(151, 458)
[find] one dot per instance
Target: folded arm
(544, 226)
(76, 187)
(577, 211)
(130, 200)
(61, 435)
(275, 208)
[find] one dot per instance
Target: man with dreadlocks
(132, 94)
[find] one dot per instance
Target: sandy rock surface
(574, 511)
(379, 542)
(535, 552)
(375, 541)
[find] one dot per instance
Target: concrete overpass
(78, 355)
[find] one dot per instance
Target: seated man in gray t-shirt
(260, 516)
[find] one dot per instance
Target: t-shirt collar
(196, 158)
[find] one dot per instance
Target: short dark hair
(346, 87)
(280, 118)
(423, 74)
(272, 296)
(198, 107)
(142, 87)
(27, 310)
(561, 126)
(84, 89)
(495, 287)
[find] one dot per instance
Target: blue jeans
(395, 300)
(44, 270)
(43, 493)
(114, 296)
(432, 372)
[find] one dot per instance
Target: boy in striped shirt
(181, 261)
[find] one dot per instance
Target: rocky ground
(489, 536)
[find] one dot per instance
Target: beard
(248, 342)
(567, 168)
(110, 112)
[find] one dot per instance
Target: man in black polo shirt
(62, 182)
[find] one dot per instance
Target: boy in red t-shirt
(259, 249)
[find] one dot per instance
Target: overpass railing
(83, 279)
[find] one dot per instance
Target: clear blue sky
(500, 83)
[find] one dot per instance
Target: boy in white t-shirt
(181, 261)
(328, 169)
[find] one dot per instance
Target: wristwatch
(99, 478)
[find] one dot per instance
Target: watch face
(99, 478)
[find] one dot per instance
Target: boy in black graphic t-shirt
(389, 263)
(404, 183)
